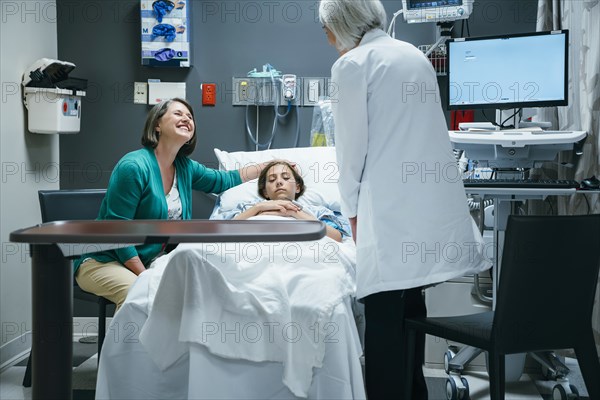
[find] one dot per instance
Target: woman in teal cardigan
(154, 182)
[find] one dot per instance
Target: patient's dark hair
(262, 179)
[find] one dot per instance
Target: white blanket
(252, 301)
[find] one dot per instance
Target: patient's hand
(302, 215)
(276, 213)
(284, 208)
(297, 214)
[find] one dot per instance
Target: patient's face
(280, 183)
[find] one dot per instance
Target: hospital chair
(76, 204)
(548, 278)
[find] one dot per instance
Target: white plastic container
(53, 110)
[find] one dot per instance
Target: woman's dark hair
(150, 137)
(262, 179)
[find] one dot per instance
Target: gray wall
(105, 46)
(29, 162)
(229, 38)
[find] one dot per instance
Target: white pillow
(317, 165)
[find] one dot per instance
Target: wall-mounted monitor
(509, 71)
(436, 11)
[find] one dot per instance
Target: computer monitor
(508, 71)
(436, 11)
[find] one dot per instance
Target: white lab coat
(397, 170)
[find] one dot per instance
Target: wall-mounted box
(165, 33)
(53, 110)
(52, 97)
(159, 91)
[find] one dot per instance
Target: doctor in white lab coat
(399, 183)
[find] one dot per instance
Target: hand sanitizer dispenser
(53, 100)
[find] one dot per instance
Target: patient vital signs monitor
(436, 11)
(509, 71)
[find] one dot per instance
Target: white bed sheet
(127, 371)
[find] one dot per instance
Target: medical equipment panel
(262, 91)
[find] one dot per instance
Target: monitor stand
(505, 115)
(444, 32)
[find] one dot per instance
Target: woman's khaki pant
(110, 280)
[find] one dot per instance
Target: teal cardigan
(135, 191)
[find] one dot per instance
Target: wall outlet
(243, 90)
(140, 93)
(313, 88)
(209, 94)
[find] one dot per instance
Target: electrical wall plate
(209, 94)
(312, 89)
(140, 93)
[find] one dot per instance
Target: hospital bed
(203, 323)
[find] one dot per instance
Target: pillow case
(317, 166)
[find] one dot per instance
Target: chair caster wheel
(454, 392)
(451, 389)
(560, 392)
(448, 356)
(465, 395)
(575, 391)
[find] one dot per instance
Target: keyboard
(522, 183)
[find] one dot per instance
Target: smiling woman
(155, 182)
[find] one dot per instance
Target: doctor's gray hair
(349, 20)
(150, 137)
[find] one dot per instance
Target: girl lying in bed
(280, 185)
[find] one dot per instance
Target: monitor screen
(510, 71)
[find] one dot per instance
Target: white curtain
(582, 19)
